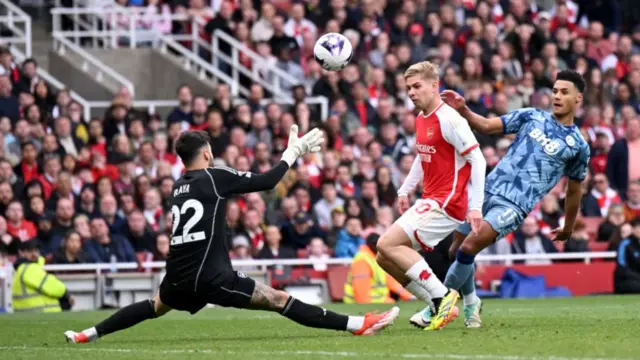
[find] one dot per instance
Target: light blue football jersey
(543, 152)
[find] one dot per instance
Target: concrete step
(155, 75)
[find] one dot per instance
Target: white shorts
(426, 224)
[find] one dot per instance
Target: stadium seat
(303, 253)
(598, 246)
(336, 277)
(592, 224)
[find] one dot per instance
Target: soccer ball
(333, 51)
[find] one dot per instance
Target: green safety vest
(35, 290)
(379, 291)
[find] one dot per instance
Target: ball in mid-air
(333, 51)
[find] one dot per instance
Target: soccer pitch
(603, 327)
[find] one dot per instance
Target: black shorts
(234, 290)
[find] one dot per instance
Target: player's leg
(472, 303)
(499, 218)
(413, 287)
(124, 318)
(397, 245)
(421, 319)
(266, 298)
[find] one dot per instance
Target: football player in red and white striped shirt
(448, 157)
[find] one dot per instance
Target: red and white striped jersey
(443, 138)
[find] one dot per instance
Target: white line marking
(305, 352)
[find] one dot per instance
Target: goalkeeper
(199, 270)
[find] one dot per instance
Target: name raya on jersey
(543, 152)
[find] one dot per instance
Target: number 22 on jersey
(187, 236)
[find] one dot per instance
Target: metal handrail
(236, 47)
(103, 68)
(15, 14)
(586, 256)
(51, 80)
(151, 105)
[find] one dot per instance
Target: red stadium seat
(303, 254)
(592, 224)
(336, 277)
(598, 246)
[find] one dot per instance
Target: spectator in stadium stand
(600, 152)
(35, 208)
(138, 233)
(48, 240)
(273, 248)
(529, 240)
(17, 226)
(28, 168)
(259, 133)
(104, 246)
(262, 162)
(34, 289)
(601, 197)
(623, 163)
(87, 201)
(632, 203)
(349, 239)
(241, 250)
(612, 222)
(81, 226)
(182, 112)
(318, 250)
(323, 208)
(579, 241)
(303, 230)
(9, 105)
(65, 211)
(7, 174)
(627, 273)
(71, 250)
(366, 282)
(63, 190)
(161, 251)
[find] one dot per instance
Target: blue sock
(469, 286)
(460, 271)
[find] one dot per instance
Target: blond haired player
(448, 157)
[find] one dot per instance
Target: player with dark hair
(199, 270)
(547, 147)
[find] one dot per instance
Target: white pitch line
(306, 352)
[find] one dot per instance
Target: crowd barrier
(115, 285)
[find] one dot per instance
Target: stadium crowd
(96, 190)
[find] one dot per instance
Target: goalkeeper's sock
(124, 318)
(422, 274)
(460, 271)
(317, 317)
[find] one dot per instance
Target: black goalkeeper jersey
(199, 251)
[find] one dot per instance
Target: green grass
(575, 328)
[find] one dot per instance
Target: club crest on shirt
(430, 133)
(570, 140)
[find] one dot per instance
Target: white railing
(258, 64)
(23, 36)
(585, 256)
(91, 63)
(88, 21)
(12, 16)
(153, 105)
(55, 83)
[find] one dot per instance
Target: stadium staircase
(155, 63)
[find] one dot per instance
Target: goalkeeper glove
(309, 143)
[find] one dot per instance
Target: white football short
(426, 224)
